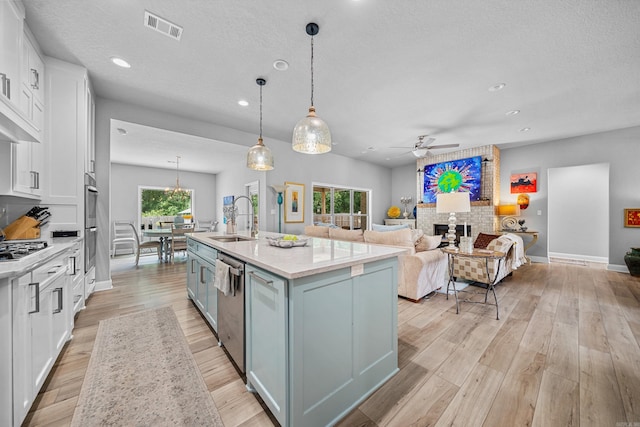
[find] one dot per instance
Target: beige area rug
(142, 373)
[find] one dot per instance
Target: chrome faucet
(233, 217)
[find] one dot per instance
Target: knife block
(23, 228)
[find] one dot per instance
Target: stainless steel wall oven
(90, 222)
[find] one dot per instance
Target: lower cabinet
(201, 274)
(41, 326)
(266, 324)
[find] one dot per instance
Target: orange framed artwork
(524, 182)
(632, 217)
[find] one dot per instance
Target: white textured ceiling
(385, 71)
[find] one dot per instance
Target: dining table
(164, 235)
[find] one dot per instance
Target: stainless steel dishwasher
(231, 312)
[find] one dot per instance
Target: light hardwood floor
(565, 352)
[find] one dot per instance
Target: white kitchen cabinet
(15, 122)
(11, 27)
(40, 329)
(76, 271)
(89, 282)
(21, 166)
(31, 99)
(67, 122)
(32, 66)
(27, 168)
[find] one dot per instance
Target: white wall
(125, 205)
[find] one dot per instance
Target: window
(157, 207)
(345, 207)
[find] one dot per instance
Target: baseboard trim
(103, 285)
(576, 258)
(540, 259)
(619, 268)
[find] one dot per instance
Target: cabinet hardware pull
(36, 79)
(60, 299)
(73, 263)
(202, 267)
(37, 285)
(37, 180)
(93, 166)
(261, 279)
(193, 261)
(6, 85)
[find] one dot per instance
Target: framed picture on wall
(524, 182)
(294, 202)
(632, 217)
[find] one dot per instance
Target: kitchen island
(321, 321)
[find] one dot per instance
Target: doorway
(578, 203)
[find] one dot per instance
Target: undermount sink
(229, 238)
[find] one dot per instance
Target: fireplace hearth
(443, 229)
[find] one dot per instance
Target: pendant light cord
(260, 111)
(312, 71)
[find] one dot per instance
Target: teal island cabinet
(321, 324)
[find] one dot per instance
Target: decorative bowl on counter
(282, 243)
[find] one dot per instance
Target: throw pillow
(380, 227)
(428, 243)
(348, 235)
(483, 240)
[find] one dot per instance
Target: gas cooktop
(14, 250)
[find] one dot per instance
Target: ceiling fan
(422, 146)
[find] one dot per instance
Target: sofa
(421, 270)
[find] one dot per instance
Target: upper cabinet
(11, 25)
(21, 105)
(32, 84)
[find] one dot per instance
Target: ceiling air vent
(162, 25)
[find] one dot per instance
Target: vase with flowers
(394, 212)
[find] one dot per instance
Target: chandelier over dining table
(177, 192)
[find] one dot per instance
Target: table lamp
(452, 203)
(509, 212)
(279, 189)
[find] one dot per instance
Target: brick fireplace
(482, 218)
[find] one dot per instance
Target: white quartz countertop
(23, 265)
(318, 256)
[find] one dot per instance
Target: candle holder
(405, 200)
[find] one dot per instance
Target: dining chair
(206, 225)
(123, 235)
(149, 244)
(178, 240)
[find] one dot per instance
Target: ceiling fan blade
(442, 146)
(424, 143)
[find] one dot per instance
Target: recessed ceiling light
(280, 65)
(243, 103)
(512, 113)
(122, 131)
(525, 129)
(497, 87)
(120, 62)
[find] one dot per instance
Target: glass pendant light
(259, 157)
(311, 134)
